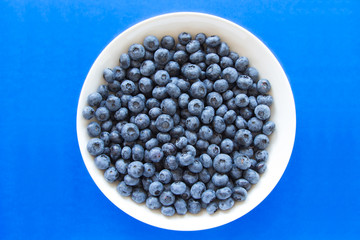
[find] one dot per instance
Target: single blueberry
(212, 208)
(195, 167)
(108, 75)
(93, 129)
(147, 68)
(156, 154)
(166, 198)
(95, 146)
(264, 99)
(195, 107)
(214, 99)
(263, 86)
(131, 181)
(124, 61)
(262, 112)
(168, 211)
(153, 203)
(241, 64)
(123, 189)
(138, 195)
(151, 43)
(168, 42)
(111, 174)
(226, 204)
(252, 176)
(180, 206)
(164, 123)
(243, 183)
(136, 51)
(261, 141)
(102, 161)
(226, 62)
(213, 41)
(162, 56)
(205, 160)
(268, 128)
(253, 73)
(254, 124)
(94, 99)
(168, 106)
(223, 49)
(220, 180)
(222, 163)
(213, 71)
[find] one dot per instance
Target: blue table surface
(47, 49)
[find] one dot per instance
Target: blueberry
(111, 174)
(181, 57)
(173, 68)
(234, 56)
(162, 56)
(261, 141)
(136, 104)
(230, 74)
(145, 85)
(162, 77)
(177, 131)
(227, 146)
(231, 104)
(243, 183)
(115, 151)
(108, 75)
(156, 188)
(205, 133)
(226, 204)
(198, 90)
(113, 103)
(149, 169)
(252, 176)
(181, 142)
(254, 124)
(88, 112)
(193, 46)
(102, 161)
(252, 102)
(123, 189)
(230, 117)
(212, 58)
(184, 38)
(252, 91)
(221, 85)
(197, 57)
(167, 198)
(264, 99)
(191, 71)
(208, 195)
(242, 100)
(130, 132)
(212, 208)
(185, 159)
(263, 86)
(226, 62)
(131, 181)
(152, 102)
(213, 150)
(145, 182)
(153, 203)
(243, 137)
(213, 71)
(121, 166)
(136, 51)
(165, 176)
(94, 99)
(201, 37)
(230, 131)
(222, 163)
(154, 112)
(191, 137)
(150, 144)
(103, 91)
(268, 128)
(246, 113)
(164, 123)
(261, 167)
(105, 136)
(204, 175)
(192, 123)
(189, 177)
(138, 195)
(168, 42)
(124, 61)
(253, 73)
(195, 167)
(222, 110)
(167, 211)
(194, 206)
(95, 146)
(209, 49)
(142, 121)
(151, 43)
(156, 154)
(223, 193)
(147, 68)
(220, 180)
(197, 189)
(195, 107)
(121, 114)
(93, 129)
(177, 174)
(168, 106)
(171, 162)
(227, 95)
(163, 137)
(262, 112)
(207, 115)
(145, 135)
(138, 152)
(223, 49)
(106, 126)
(219, 124)
(180, 47)
(242, 162)
(235, 172)
(118, 73)
(241, 64)
(205, 160)
(114, 86)
(180, 206)
(214, 99)
(261, 155)
(213, 41)
(239, 194)
(178, 188)
(183, 100)
(135, 64)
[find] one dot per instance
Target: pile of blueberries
(181, 126)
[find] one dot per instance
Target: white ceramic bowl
(240, 41)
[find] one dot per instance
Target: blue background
(47, 48)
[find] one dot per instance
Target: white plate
(240, 41)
